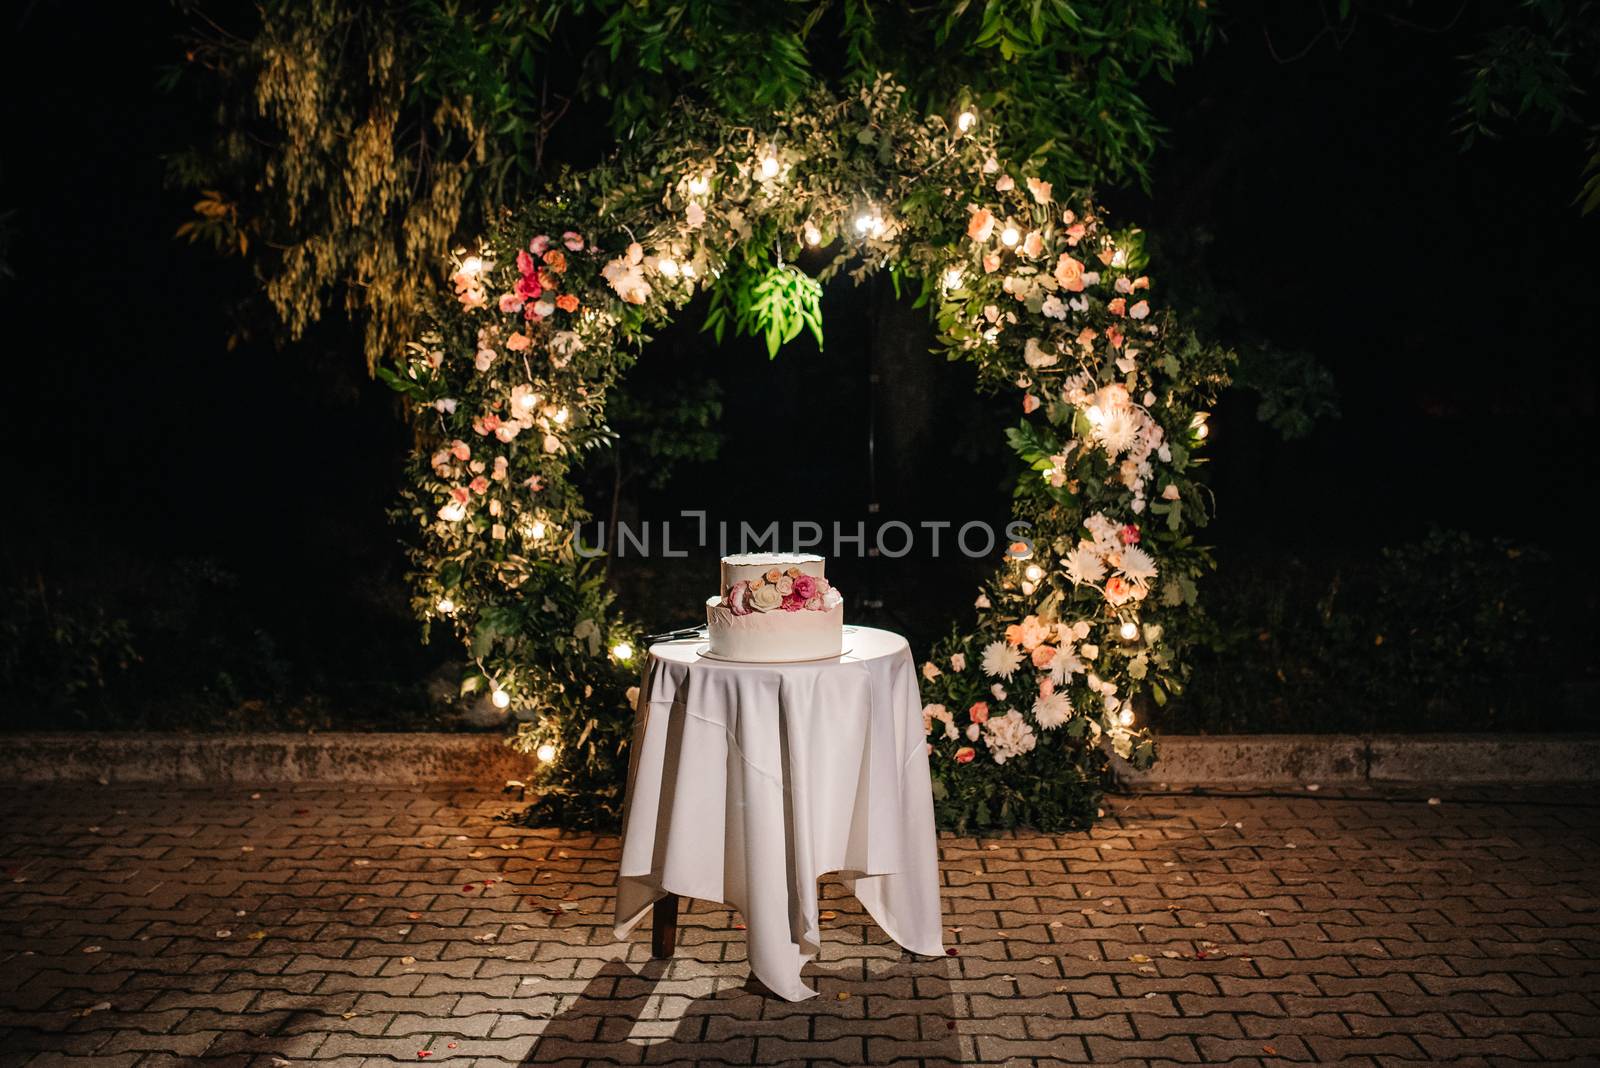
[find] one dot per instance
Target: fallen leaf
(413, 915)
(1171, 954)
(361, 863)
(278, 1062)
(224, 933)
(256, 936)
(829, 915)
(952, 952)
(1433, 801)
(1139, 958)
(1055, 923)
(91, 949)
(843, 994)
(1271, 1051)
(247, 849)
(408, 960)
(486, 937)
(87, 1009)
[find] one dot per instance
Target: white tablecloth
(749, 781)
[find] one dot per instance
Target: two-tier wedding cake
(775, 607)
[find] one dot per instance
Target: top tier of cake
(748, 566)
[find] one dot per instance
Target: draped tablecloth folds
(749, 781)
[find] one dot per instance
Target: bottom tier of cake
(776, 636)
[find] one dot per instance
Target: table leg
(664, 927)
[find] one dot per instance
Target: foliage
(511, 380)
(354, 142)
(1451, 632)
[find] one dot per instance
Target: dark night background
(231, 504)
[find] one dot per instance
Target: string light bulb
(769, 166)
(871, 225)
(545, 753)
(622, 651)
(472, 265)
(1010, 236)
(813, 235)
(1129, 630)
(667, 266)
(952, 278)
(454, 512)
(561, 417)
(1125, 717)
(537, 530)
(1034, 572)
(688, 270)
(966, 120)
(699, 185)
(500, 698)
(1201, 425)
(446, 606)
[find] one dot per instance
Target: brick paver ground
(375, 926)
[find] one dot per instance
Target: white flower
(1083, 564)
(1106, 532)
(1170, 492)
(1065, 665)
(1137, 564)
(930, 670)
(1118, 430)
(1053, 308)
(626, 275)
(998, 691)
(1000, 660)
(982, 601)
(633, 697)
(1051, 712)
(1008, 736)
(695, 215)
(958, 662)
(1034, 354)
(973, 730)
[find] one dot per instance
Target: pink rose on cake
(814, 604)
(794, 602)
(738, 598)
(806, 587)
(765, 597)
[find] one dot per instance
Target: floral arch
(508, 387)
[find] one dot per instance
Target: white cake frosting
(775, 607)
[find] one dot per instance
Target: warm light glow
(537, 531)
(966, 120)
(872, 225)
(1095, 415)
(1130, 630)
(545, 753)
(1009, 236)
(528, 400)
(446, 606)
(471, 265)
(1034, 572)
(699, 185)
(688, 270)
(952, 278)
(769, 167)
(1125, 717)
(454, 512)
(562, 416)
(501, 699)
(1200, 425)
(622, 651)
(813, 235)
(667, 266)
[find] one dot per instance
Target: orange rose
(567, 302)
(556, 260)
(1014, 634)
(981, 225)
(965, 754)
(1118, 306)
(979, 712)
(1043, 655)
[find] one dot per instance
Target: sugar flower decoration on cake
(765, 597)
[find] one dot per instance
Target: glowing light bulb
(966, 120)
(501, 699)
(528, 400)
(699, 185)
(813, 235)
(1010, 236)
(952, 278)
(537, 530)
(472, 265)
(562, 416)
(667, 266)
(769, 167)
(863, 223)
(545, 753)
(446, 606)
(1201, 431)
(454, 512)
(1095, 415)
(1034, 572)
(1130, 630)
(622, 651)
(1200, 425)
(1125, 717)
(688, 270)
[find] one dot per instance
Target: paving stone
(1167, 935)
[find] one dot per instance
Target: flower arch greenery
(1037, 290)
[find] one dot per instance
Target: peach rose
(981, 225)
(1069, 273)
(774, 575)
(1043, 655)
(1033, 244)
(979, 712)
(965, 754)
(556, 260)
(785, 585)
(1040, 190)
(567, 302)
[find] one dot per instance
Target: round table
(748, 782)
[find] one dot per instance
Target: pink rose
(573, 241)
(460, 450)
(1130, 534)
(806, 587)
(1069, 273)
(1118, 306)
(737, 598)
(525, 264)
(1043, 655)
(539, 244)
(793, 603)
(981, 225)
(785, 586)
(965, 754)
(510, 303)
(979, 712)
(480, 485)
(528, 287)
(518, 341)
(814, 604)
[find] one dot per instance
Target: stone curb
(406, 759)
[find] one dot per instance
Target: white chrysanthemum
(1083, 564)
(1051, 712)
(1137, 564)
(1066, 664)
(1001, 660)
(1104, 531)
(1118, 430)
(1008, 736)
